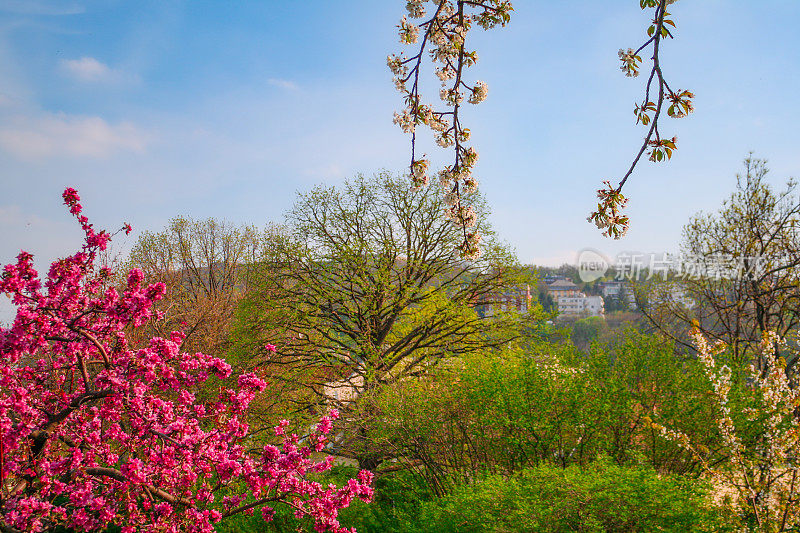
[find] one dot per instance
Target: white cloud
(283, 84)
(90, 70)
(86, 69)
(69, 135)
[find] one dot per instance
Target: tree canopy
(369, 281)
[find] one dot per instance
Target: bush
(602, 497)
(587, 330)
(546, 404)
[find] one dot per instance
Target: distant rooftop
(562, 285)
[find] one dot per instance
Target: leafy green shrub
(546, 403)
(587, 330)
(399, 497)
(603, 497)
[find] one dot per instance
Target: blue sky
(154, 109)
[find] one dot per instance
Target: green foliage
(602, 497)
(638, 375)
(545, 404)
(399, 497)
(587, 330)
(613, 304)
(599, 497)
(546, 301)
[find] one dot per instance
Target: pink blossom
(99, 426)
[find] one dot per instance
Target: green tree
(740, 271)
(369, 288)
(589, 329)
(546, 404)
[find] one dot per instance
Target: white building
(595, 306)
(580, 305)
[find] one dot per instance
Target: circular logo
(592, 265)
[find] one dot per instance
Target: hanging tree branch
(608, 216)
(444, 37)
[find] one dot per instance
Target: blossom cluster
(96, 432)
(630, 62)
(609, 217)
(443, 35)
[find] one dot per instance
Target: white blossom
(419, 169)
(409, 33)
(470, 184)
(395, 64)
(451, 96)
(479, 93)
(415, 8)
(405, 120)
(445, 140)
(628, 58)
(470, 156)
(463, 215)
(470, 248)
(445, 73)
(446, 178)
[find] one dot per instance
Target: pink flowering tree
(94, 432)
